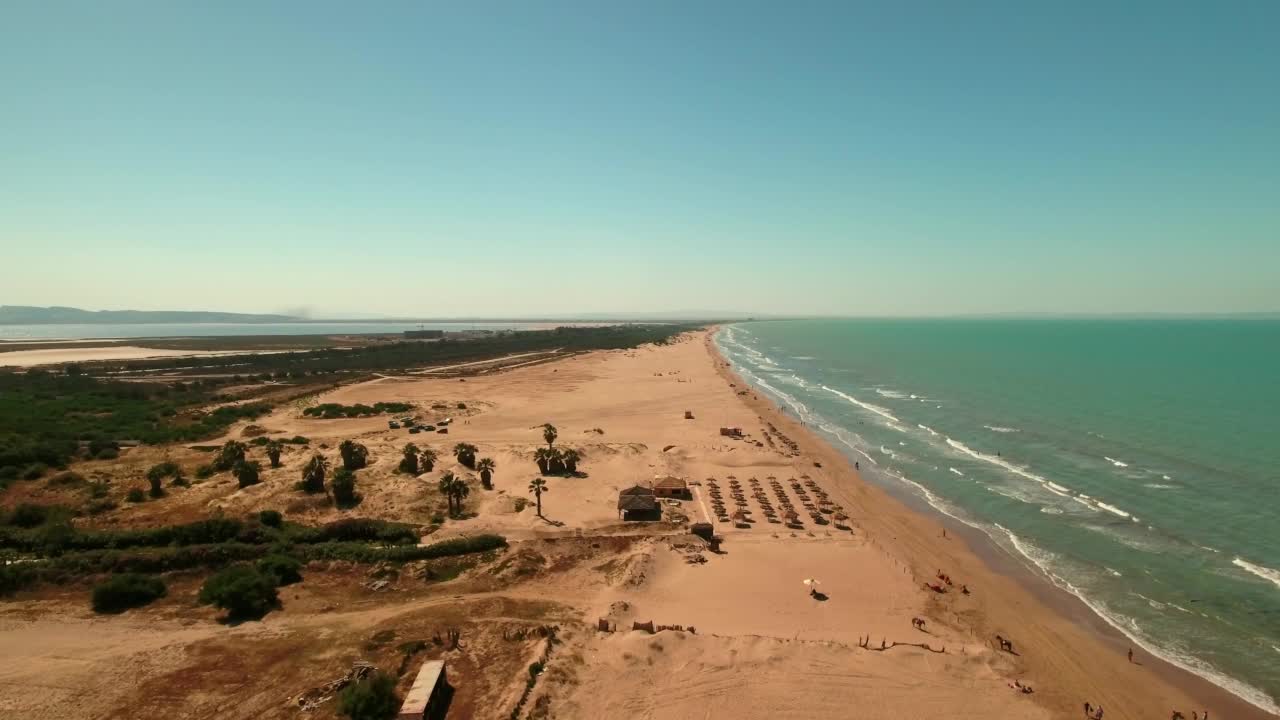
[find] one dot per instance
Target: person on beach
(1088, 710)
(1130, 654)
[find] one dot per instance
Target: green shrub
(35, 471)
(122, 592)
(282, 568)
(205, 471)
(135, 495)
(271, 518)
(373, 698)
(242, 590)
(15, 577)
(29, 515)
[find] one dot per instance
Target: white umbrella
(811, 582)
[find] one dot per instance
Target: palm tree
(537, 487)
(274, 448)
(556, 466)
(428, 459)
(466, 454)
(354, 455)
(544, 456)
(246, 473)
(549, 434)
(409, 463)
(313, 474)
(486, 466)
(570, 458)
(454, 489)
(232, 452)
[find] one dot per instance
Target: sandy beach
(764, 647)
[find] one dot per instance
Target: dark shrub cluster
(129, 590)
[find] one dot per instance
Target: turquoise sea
(1136, 463)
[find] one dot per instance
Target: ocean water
(154, 330)
(1135, 462)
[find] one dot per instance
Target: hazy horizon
(573, 160)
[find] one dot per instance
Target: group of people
(1092, 713)
(1024, 689)
(1194, 715)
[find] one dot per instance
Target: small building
(669, 486)
(638, 503)
(429, 696)
(733, 432)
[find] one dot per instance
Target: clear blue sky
(535, 157)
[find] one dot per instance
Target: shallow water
(1136, 462)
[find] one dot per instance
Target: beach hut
(429, 695)
(702, 530)
(670, 486)
(638, 503)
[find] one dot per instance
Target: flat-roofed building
(428, 696)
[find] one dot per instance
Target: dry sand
(67, 354)
(763, 648)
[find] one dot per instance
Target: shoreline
(1086, 632)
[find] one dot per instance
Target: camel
(1005, 645)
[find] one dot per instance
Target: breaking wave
(1266, 573)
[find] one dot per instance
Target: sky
(540, 158)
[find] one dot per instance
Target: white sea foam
(996, 460)
(1158, 486)
(956, 471)
(1165, 477)
(891, 394)
(1116, 462)
(882, 412)
(928, 429)
(999, 429)
(1055, 487)
(1269, 574)
(1113, 509)
(1051, 511)
(1115, 572)
(1130, 629)
(801, 357)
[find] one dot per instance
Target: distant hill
(25, 315)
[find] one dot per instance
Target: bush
(205, 471)
(373, 698)
(242, 590)
(35, 471)
(66, 479)
(29, 515)
(271, 518)
(282, 568)
(135, 495)
(15, 577)
(122, 592)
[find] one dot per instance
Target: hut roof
(636, 490)
(637, 502)
(669, 482)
